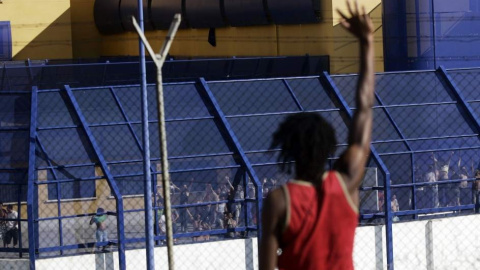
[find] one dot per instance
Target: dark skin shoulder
(273, 218)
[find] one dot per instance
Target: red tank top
(320, 225)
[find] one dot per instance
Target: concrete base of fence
(14, 264)
(450, 243)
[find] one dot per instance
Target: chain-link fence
(50, 74)
(72, 181)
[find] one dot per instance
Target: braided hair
(308, 140)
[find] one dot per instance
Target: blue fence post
(146, 146)
(107, 174)
(233, 142)
(32, 202)
(327, 81)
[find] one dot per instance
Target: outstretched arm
(352, 162)
(471, 168)
(190, 184)
(229, 183)
(450, 158)
(435, 160)
(459, 164)
(173, 186)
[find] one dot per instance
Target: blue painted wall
(5, 41)
(425, 34)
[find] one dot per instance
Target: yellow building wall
(103, 198)
(344, 56)
(324, 38)
(329, 38)
(231, 41)
(40, 29)
(86, 39)
(63, 29)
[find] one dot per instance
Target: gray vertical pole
(146, 149)
(378, 248)
(165, 168)
(159, 60)
(429, 244)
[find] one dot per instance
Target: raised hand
(360, 25)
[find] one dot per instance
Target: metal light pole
(159, 59)
(146, 149)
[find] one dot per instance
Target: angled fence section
(422, 169)
(16, 150)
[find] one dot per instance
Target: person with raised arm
(310, 222)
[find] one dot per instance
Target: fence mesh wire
(87, 187)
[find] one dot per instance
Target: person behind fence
(432, 190)
(270, 183)
(3, 222)
(265, 192)
(395, 206)
(458, 173)
(454, 193)
(200, 225)
(185, 199)
(381, 201)
(235, 194)
(313, 218)
(11, 232)
(101, 233)
(212, 209)
(223, 187)
(465, 186)
(251, 213)
(221, 208)
(230, 223)
(445, 190)
(161, 217)
(476, 190)
(266, 186)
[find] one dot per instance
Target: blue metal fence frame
(32, 202)
(244, 164)
(106, 172)
(235, 144)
